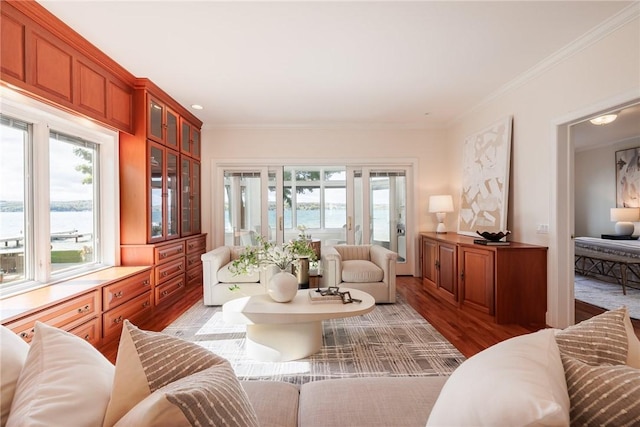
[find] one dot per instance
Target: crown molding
(598, 33)
(326, 126)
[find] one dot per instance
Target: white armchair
(368, 268)
(217, 279)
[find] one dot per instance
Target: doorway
(562, 208)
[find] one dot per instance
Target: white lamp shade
(625, 214)
(441, 203)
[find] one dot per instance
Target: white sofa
(217, 279)
(368, 268)
(162, 380)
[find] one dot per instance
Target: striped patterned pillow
(150, 361)
(599, 340)
(602, 395)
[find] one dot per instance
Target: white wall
(605, 69)
(595, 188)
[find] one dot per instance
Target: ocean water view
(12, 223)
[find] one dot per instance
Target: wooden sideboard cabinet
(440, 268)
(507, 284)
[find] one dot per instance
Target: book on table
(490, 242)
(317, 297)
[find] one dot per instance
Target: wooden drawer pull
(117, 320)
(87, 337)
(180, 284)
(165, 292)
(146, 282)
(180, 267)
(145, 304)
(163, 255)
(118, 294)
(164, 273)
(180, 249)
(84, 309)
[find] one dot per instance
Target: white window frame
(43, 117)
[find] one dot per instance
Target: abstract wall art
(628, 178)
(485, 179)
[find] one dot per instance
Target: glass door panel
(172, 198)
(185, 200)
(195, 200)
(242, 207)
(185, 136)
(195, 148)
(156, 166)
(388, 211)
(156, 114)
(172, 129)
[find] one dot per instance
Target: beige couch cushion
(226, 276)
(360, 271)
(350, 252)
(275, 402)
(378, 401)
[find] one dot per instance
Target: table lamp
(624, 218)
(440, 205)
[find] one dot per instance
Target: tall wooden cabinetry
(160, 193)
(507, 284)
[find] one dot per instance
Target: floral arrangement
(265, 254)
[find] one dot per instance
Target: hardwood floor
(467, 333)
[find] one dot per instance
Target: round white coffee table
(277, 332)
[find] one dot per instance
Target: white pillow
(519, 381)
(65, 381)
(13, 353)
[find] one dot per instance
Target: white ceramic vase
(282, 286)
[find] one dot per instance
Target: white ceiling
(331, 63)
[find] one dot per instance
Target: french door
(332, 204)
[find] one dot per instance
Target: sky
(66, 182)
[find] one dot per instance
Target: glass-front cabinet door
(185, 200)
(171, 138)
(195, 198)
(156, 190)
(172, 196)
(155, 120)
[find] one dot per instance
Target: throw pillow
(633, 357)
(602, 395)
(13, 354)
(210, 397)
(148, 361)
(598, 340)
(519, 381)
(65, 381)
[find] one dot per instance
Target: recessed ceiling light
(197, 107)
(603, 120)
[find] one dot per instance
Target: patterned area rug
(391, 340)
(607, 295)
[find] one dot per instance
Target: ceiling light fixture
(197, 107)
(603, 120)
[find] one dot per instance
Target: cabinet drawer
(196, 245)
(90, 331)
(193, 261)
(166, 271)
(65, 315)
(165, 252)
(135, 310)
(194, 276)
(118, 293)
(170, 289)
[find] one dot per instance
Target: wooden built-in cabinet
(159, 184)
(507, 284)
(51, 62)
(174, 265)
(92, 306)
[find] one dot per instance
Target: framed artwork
(628, 178)
(485, 179)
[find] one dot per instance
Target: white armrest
(331, 267)
(213, 261)
(386, 260)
